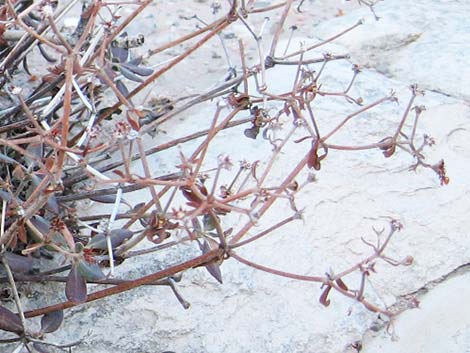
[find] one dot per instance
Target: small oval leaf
(18, 263)
(52, 204)
(252, 132)
(129, 74)
(388, 153)
(42, 347)
(139, 70)
(41, 224)
(136, 61)
(9, 321)
(35, 150)
(213, 268)
(138, 206)
(313, 160)
(104, 198)
(118, 236)
(208, 222)
(122, 88)
(75, 288)
(89, 271)
(50, 322)
(97, 242)
(119, 54)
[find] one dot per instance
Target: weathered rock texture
(424, 42)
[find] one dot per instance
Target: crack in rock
(404, 303)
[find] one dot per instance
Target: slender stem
(287, 181)
(278, 272)
(279, 27)
(328, 40)
(16, 296)
(148, 174)
(166, 68)
(212, 255)
(349, 117)
(264, 232)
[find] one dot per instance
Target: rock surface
(441, 325)
(424, 43)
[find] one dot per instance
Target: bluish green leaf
(208, 222)
(118, 236)
(90, 271)
(138, 70)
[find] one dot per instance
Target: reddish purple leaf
(389, 146)
(9, 321)
(341, 284)
(190, 195)
(18, 263)
(388, 153)
(75, 289)
(407, 261)
(50, 322)
(213, 268)
(313, 161)
(324, 296)
(252, 132)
